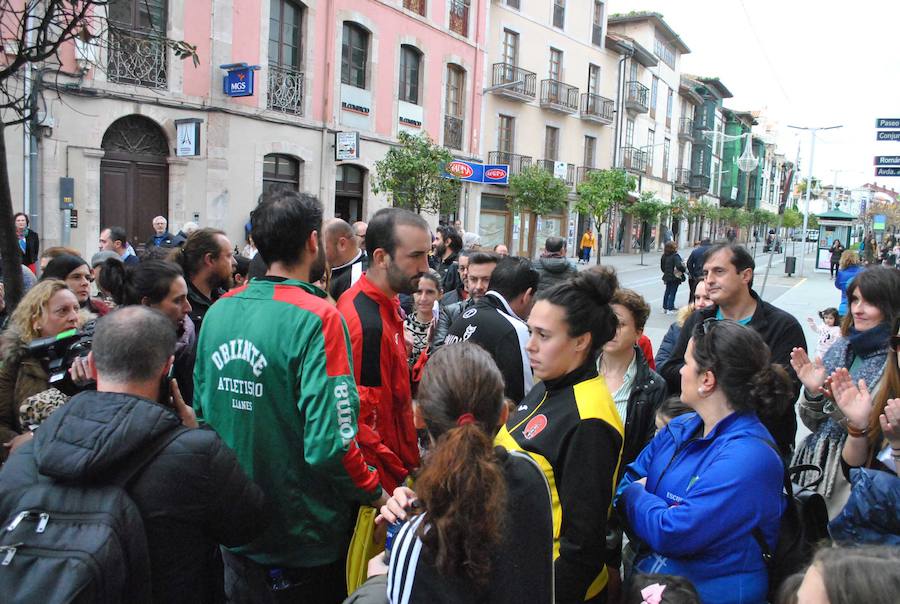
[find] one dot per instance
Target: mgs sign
(239, 81)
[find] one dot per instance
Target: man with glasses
(728, 273)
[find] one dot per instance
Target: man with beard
(447, 254)
(397, 241)
(207, 259)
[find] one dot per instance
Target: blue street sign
(239, 80)
(887, 171)
(887, 160)
(887, 135)
(467, 171)
(887, 122)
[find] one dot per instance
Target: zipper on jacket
(678, 451)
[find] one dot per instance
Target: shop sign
(187, 134)
(346, 146)
(239, 79)
(467, 171)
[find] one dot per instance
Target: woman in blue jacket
(696, 492)
(848, 268)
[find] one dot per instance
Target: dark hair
(456, 242)
(787, 592)
(59, 250)
(27, 221)
(635, 304)
(831, 311)
(741, 362)
(282, 224)
(382, 231)
(672, 407)
(741, 258)
(461, 483)
(198, 244)
(258, 267)
(880, 286)
(435, 278)
(554, 245)
(117, 233)
(513, 276)
(476, 258)
(132, 344)
(585, 299)
(859, 574)
(243, 265)
(61, 266)
(151, 279)
(678, 589)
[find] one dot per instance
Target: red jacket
(387, 434)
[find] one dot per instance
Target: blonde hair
(848, 258)
(33, 306)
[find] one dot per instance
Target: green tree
(792, 218)
(601, 191)
(646, 210)
(413, 174)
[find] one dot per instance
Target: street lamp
(812, 156)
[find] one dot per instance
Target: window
(280, 173)
(593, 79)
(416, 6)
(506, 134)
(669, 100)
(629, 133)
(551, 143)
(459, 17)
(654, 90)
(633, 71)
(139, 15)
(559, 13)
(354, 55)
(665, 170)
(664, 51)
(410, 61)
(590, 151)
(651, 147)
(285, 33)
(513, 4)
(510, 47)
(456, 83)
(556, 57)
(597, 29)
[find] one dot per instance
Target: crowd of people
(505, 417)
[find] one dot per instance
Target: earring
(701, 391)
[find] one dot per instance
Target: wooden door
(132, 193)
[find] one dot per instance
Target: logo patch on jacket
(535, 426)
(470, 313)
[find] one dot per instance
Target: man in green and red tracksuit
(398, 243)
(273, 378)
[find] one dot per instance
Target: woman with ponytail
(569, 425)
(484, 531)
(696, 495)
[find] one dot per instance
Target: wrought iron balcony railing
(285, 89)
(559, 96)
(513, 81)
(686, 129)
(597, 108)
(137, 58)
(700, 183)
(634, 159)
(453, 132)
(516, 163)
(583, 172)
(549, 165)
(636, 95)
(682, 179)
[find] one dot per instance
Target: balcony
(636, 95)
(513, 82)
(285, 90)
(700, 183)
(137, 58)
(549, 165)
(453, 132)
(686, 129)
(597, 108)
(583, 172)
(516, 163)
(558, 96)
(634, 159)
(682, 180)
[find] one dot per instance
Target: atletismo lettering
(344, 413)
(236, 386)
(239, 350)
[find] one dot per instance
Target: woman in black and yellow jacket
(569, 425)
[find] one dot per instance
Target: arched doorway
(134, 177)
(348, 192)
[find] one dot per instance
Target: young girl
(829, 331)
(661, 589)
(670, 408)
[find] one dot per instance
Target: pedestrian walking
(837, 248)
(847, 270)
(673, 275)
(587, 244)
(695, 265)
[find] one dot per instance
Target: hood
(554, 264)
(91, 435)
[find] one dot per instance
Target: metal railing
(516, 163)
(682, 179)
(518, 81)
(453, 132)
(634, 159)
(700, 183)
(549, 165)
(636, 95)
(559, 95)
(285, 92)
(686, 128)
(594, 106)
(137, 58)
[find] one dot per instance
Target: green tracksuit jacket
(273, 377)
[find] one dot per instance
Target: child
(829, 331)
(670, 408)
(660, 589)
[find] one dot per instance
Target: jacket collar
(499, 302)
(586, 372)
(760, 317)
(691, 424)
(369, 288)
(357, 258)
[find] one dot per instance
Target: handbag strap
(767, 554)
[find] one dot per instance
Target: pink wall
(245, 43)
(197, 24)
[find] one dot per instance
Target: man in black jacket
(553, 266)
(344, 256)
(192, 495)
(497, 323)
(478, 277)
(694, 266)
(728, 269)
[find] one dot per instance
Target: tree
(600, 191)
(816, 185)
(536, 190)
(647, 209)
(34, 35)
(413, 174)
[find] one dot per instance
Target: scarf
(864, 343)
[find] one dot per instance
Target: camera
(59, 352)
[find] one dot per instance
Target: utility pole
(812, 159)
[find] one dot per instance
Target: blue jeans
(669, 296)
(586, 254)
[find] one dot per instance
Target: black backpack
(85, 544)
(803, 525)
